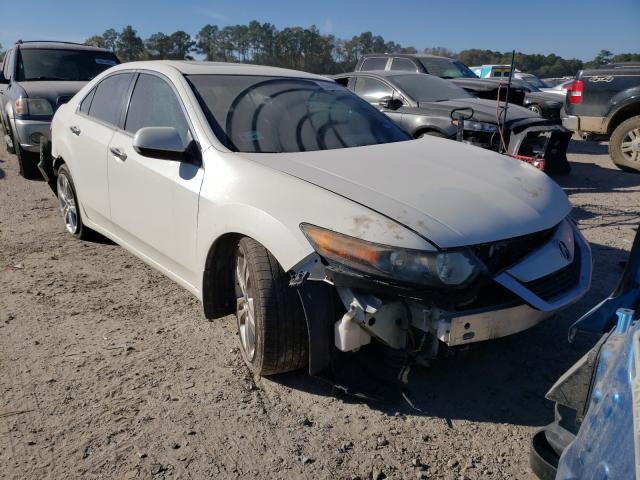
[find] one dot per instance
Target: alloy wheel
(631, 145)
(245, 310)
(68, 206)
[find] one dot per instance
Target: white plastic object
(348, 334)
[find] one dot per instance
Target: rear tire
(271, 323)
(12, 148)
(624, 145)
(69, 205)
(27, 161)
(535, 108)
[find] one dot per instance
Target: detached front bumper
(556, 274)
(30, 132)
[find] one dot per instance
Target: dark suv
(36, 78)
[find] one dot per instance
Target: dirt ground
(109, 370)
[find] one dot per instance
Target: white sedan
(282, 197)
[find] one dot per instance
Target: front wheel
(535, 108)
(27, 161)
(624, 145)
(69, 206)
(271, 323)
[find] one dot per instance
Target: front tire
(271, 323)
(624, 145)
(535, 108)
(27, 161)
(69, 205)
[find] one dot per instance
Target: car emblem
(564, 250)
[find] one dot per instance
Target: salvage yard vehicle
(597, 399)
(37, 77)
(446, 68)
(423, 104)
(284, 198)
(605, 103)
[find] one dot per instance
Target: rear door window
(145, 109)
(403, 64)
(374, 63)
(109, 97)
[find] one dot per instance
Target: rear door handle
(75, 130)
(116, 152)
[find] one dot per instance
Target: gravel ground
(109, 370)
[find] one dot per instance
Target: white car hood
(450, 193)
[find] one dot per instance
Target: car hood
(450, 193)
(483, 110)
(479, 84)
(54, 91)
(542, 97)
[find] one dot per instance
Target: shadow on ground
(501, 381)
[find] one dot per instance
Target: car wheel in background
(431, 133)
(624, 145)
(69, 206)
(27, 161)
(12, 148)
(271, 323)
(534, 107)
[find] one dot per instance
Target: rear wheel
(10, 149)
(624, 145)
(271, 324)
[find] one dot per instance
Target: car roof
(380, 73)
(192, 67)
(58, 46)
(407, 55)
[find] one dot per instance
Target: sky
(569, 28)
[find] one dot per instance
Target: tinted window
(71, 65)
(145, 109)
(278, 114)
(427, 88)
(403, 64)
(446, 68)
(86, 103)
(374, 63)
(108, 99)
(372, 90)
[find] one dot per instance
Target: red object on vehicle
(574, 91)
(535, 161)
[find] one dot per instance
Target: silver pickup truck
(36, 78)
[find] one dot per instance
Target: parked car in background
(545, 103)
(491, 71)
(281, 196)
(38, 77)
(442, 67)
(595, 431)
(423, 104)
(605, 103)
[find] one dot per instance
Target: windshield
(535, 81)
(257, 114)
(70, 65)
(427, 88)
(446, 68)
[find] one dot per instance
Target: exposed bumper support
(553, 149)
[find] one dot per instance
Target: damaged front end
(485, 291)
(541, 142)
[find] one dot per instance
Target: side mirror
(161, 142)
(390, 102)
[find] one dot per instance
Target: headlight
(480, 126)
(33, 106)
(438, 269)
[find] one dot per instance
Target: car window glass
(108, 98)
(403, 64)
(65, 64)
(146, 111)
(7, 63)
(446, 68)
(86, 103)
(278, 114)
(372, 90)
(374, 63)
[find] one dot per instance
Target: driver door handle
(116, 152)
(75, 130)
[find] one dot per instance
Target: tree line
(308, 49)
